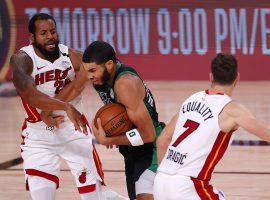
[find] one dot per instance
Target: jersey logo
(59, 76)
(38, 68)
(104, 97)
(112, 93)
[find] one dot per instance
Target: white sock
(41, 188)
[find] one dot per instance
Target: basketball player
(197, 137)
(116, 82)
(40, 71)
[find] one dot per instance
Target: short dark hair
(38, 16)
(99, 52)
(224, 68)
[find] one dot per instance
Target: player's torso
(50, 79)
(108, 95)
(197, 143)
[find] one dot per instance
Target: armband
(134, 137)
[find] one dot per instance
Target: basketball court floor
(243, 174)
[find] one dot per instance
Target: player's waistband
(39, 125)
(175, 174)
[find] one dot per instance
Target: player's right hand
(76, 118)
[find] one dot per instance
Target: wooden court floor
(243, 174)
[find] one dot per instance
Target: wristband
(134, 137)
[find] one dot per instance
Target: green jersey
(107, 95)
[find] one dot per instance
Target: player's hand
(50, 120)
(76, 118)
(99, 133)
(109, 146)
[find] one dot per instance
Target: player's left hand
(50, 120)
(99, 133)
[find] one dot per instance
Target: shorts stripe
(34, 172)
(87, 189)
(204, 190)
(98, 165)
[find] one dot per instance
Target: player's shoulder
(74, 52)
(128, 80)
(75, 57)
(235, 109)
(20, 57)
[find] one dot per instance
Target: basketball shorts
(139, 178)
(175, 187)
(42, 152)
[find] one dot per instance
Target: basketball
(114, 119)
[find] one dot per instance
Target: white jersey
(50, 78)
(198, 142)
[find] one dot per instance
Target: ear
(237, 79)
(238, 76)
(32, 39)
(109, 65)
(211, 77)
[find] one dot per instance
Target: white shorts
(145, 183)
(178, 187)
(42, 151)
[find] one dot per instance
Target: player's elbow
(159, 143)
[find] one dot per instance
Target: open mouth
(50, 45)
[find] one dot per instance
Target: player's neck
(50, 58)
(112, 75)
(221, 89)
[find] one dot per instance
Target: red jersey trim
(87, 189)
(204, 190)
(207, 92)
(218, 150)
(34, 172)
(32, 113)
(98, 165)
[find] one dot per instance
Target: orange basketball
(114, 119)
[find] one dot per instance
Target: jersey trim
(86, 189)
(98, 165)
(218, 150)
(34, 172)
(204, 190)
(32, 113)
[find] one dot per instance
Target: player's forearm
(40, 100)
(69, 92)
(118, 140)
(161, 149)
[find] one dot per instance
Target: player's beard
(52, 55)
(105, 76)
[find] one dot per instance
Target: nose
(49, 35)
(90, 76)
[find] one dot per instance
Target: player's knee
(41, 188)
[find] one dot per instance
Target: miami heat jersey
(197, 143)
(50, 78)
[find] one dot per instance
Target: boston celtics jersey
(107, 95)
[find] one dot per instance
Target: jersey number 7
(191, 127)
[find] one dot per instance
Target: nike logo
(38, 68)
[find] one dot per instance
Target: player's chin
(97, 83)
(50, 49)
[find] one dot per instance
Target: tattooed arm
(22, 67)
